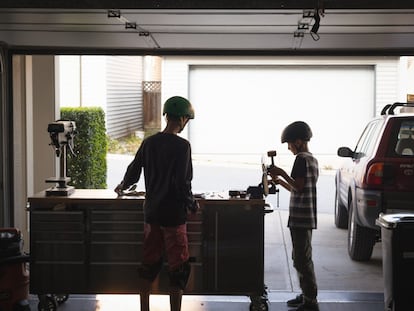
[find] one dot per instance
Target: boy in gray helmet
(302, 210)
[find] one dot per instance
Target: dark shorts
(172, 240)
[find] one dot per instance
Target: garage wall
(34, 106)
(5, 216)
(356, 85)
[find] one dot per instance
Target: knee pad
(149, 271)
(180, 276)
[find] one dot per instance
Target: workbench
(91, 242)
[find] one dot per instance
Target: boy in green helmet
(302, 210)
(166, 160)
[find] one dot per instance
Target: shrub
(87, 168)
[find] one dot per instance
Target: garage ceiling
(212, 27)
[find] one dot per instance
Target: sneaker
(308, 306)
(295, 302)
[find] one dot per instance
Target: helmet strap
(301, 145)
(175, 125)
(183, 123)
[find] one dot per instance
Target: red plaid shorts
(172, 240)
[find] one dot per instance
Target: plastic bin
(397, 232)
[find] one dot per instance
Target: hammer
(272, 154)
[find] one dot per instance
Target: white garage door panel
(243, 110)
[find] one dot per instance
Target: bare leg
(175, 299)
(145, 295)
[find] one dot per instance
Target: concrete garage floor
(344, 285)
(335, 271)
(328, 302)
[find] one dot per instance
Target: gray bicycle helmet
(296, 130)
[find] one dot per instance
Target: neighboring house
(248, 99)
(111, 82)
(409, 78)
(242, 104)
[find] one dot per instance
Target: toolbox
(91, 243)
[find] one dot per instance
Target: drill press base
(60, 192)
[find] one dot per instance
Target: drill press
(61, 134)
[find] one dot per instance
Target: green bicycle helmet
(296, 130)
(178, 106)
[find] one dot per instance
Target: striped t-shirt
(302, 208)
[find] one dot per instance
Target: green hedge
(87, 169)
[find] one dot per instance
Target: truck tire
(341, 213)
(361, 240)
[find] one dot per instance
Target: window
(368, 139)
(403, 141)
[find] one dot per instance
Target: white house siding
(387, 84)
(124, 95)
(81, 81)
(94, 88)
(68, 71)
(383, 89)
(410, 75)
(174, 80)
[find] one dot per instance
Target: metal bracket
(115, 13)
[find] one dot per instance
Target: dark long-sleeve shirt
(168, 171)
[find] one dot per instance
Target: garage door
(243, 109)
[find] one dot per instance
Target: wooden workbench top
(106, 195)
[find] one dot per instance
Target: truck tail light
(375, 174)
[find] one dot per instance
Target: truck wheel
(361, 240)
(341, 214)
